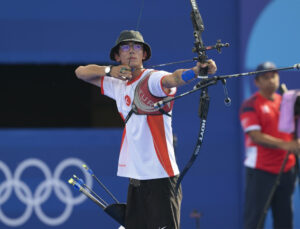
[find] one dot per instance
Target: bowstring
(136, 29)
(140, 15)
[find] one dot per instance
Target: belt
(134, 182)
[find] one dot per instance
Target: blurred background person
(266, 148)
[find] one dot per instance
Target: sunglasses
(126, 47)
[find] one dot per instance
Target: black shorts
(258, 189)
(153, 204)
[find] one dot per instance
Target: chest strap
(143, 101)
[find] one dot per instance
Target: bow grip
(203, 71)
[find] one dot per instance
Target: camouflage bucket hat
(130, 35)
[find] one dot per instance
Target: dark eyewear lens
(137, 47)
(126, 48)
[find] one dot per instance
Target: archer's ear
(117, 57)
(144, 55)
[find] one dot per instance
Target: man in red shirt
(266, 148)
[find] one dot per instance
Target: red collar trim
(137, 78)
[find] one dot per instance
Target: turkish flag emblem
(127, 100)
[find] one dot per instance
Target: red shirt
(259, 113)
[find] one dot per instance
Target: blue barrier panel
(35, 166)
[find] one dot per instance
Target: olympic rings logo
(34, 200)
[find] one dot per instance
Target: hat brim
(115, 49)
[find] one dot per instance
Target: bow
(200, 49)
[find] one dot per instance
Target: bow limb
(203, 111)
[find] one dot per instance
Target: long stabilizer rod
(208, 81)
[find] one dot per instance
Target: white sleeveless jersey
(147, 143)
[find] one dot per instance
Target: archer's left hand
(212, 67)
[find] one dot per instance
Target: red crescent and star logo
(127, 100)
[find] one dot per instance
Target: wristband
(188, 75)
